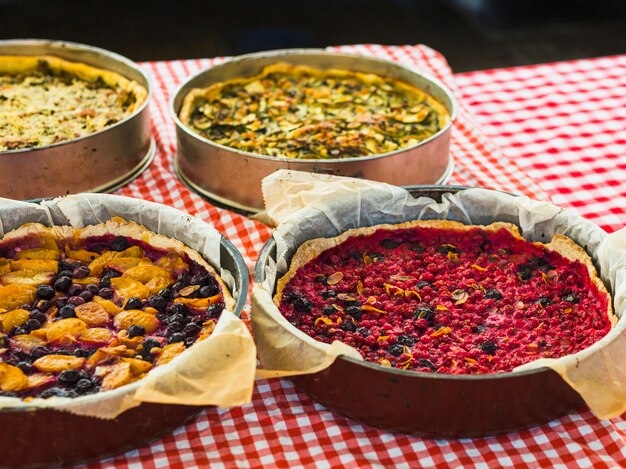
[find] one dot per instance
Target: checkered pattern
(558, 127)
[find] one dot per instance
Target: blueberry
(191, 329)
(525, 272)
(422, 284)
(45, 292)
(493, 294)
(354, 311)
(5, 340)
(157, 302)
(75, 290)
(396, 350)
(209, 290)
(120, 243)
(69, 377)
(150, 343)
(189, 341)
(176, 318)
(76, 300)
(329, 294)
(42, 305)
(134, 303)
(136, 331)
(86, 295)
(92, 288)
(446, 248)
(105, 282)
(544, 302)
(38, 316)
(63, 283)
(67, 311)
(390, 243)
(62, 352)
(328, 310)
(19, 331)
(424, 312)
(66, 273)
(198, 279)
(176, 337)
(488, 346)
(25, 366)
(426, 363)
(106, 293)
(323, 279)
(52, 392)
(405, 340)
(363, 331)
(64, 265)
(176, 286)
(302, 304)
(26, 306)
(177, 308)
(32, 325)
(348, 326)
(166, 293)
(175, 326)
(81, 272)
(39, 352)
(61, 301)
(82, 352)
(85, 386)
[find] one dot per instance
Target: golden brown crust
(13, 64)
(561, 244)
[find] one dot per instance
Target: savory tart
(92, 309)
(306, 113)
(443, 297)
(46, 100)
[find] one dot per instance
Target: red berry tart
(443, 297)
(89, 310)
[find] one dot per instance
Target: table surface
(553, 132)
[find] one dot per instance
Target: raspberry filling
(447, 301)
(77, 319)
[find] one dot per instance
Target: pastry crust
(560, 244)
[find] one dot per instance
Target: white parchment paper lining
(216, 371)
(311, 206)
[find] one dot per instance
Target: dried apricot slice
(26, 277)
(11, 378)
(35, 265)
(58, 363)
(170, 352)
(13, 296)
(39, 253)
(127, 288)
(135, 317)
(97, 335)
(199, 302)
(137, 366)
(39, 379)
(80, 254)
(172, 262)
(122, 264)
(14, 318)
(145, 273)
(5, 266)
(119, 375)
(92, 313)
(65, 330)
(108, 305)
(157, 284)
(133, 251)
(87, 280)
(25, 342)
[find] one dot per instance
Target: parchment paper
(216, 371)
(309, 206)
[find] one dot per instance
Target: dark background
(472, 34)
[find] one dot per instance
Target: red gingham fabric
(549, 131)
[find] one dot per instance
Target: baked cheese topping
(301, 112)
(46, 100)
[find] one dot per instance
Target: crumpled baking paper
(309, 206)
(218, 370)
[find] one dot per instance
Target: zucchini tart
(93, 309)
(300, 112)
(46, 100)
(443, 297)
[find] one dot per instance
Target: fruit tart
(444, 297)
(92, 309)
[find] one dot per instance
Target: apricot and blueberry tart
(92, 309)
(443, 297)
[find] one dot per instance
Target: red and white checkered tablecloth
(549, 131)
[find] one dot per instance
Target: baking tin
(99, 162)
(434, 405)
(233, 177)
(49, 438)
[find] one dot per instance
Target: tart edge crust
(121, 227)
(560, 244)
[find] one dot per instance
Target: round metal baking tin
(99, 162)
(434, 405)
(233, 177)
(50, 438)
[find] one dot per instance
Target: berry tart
(92, 309)
(443, 297)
